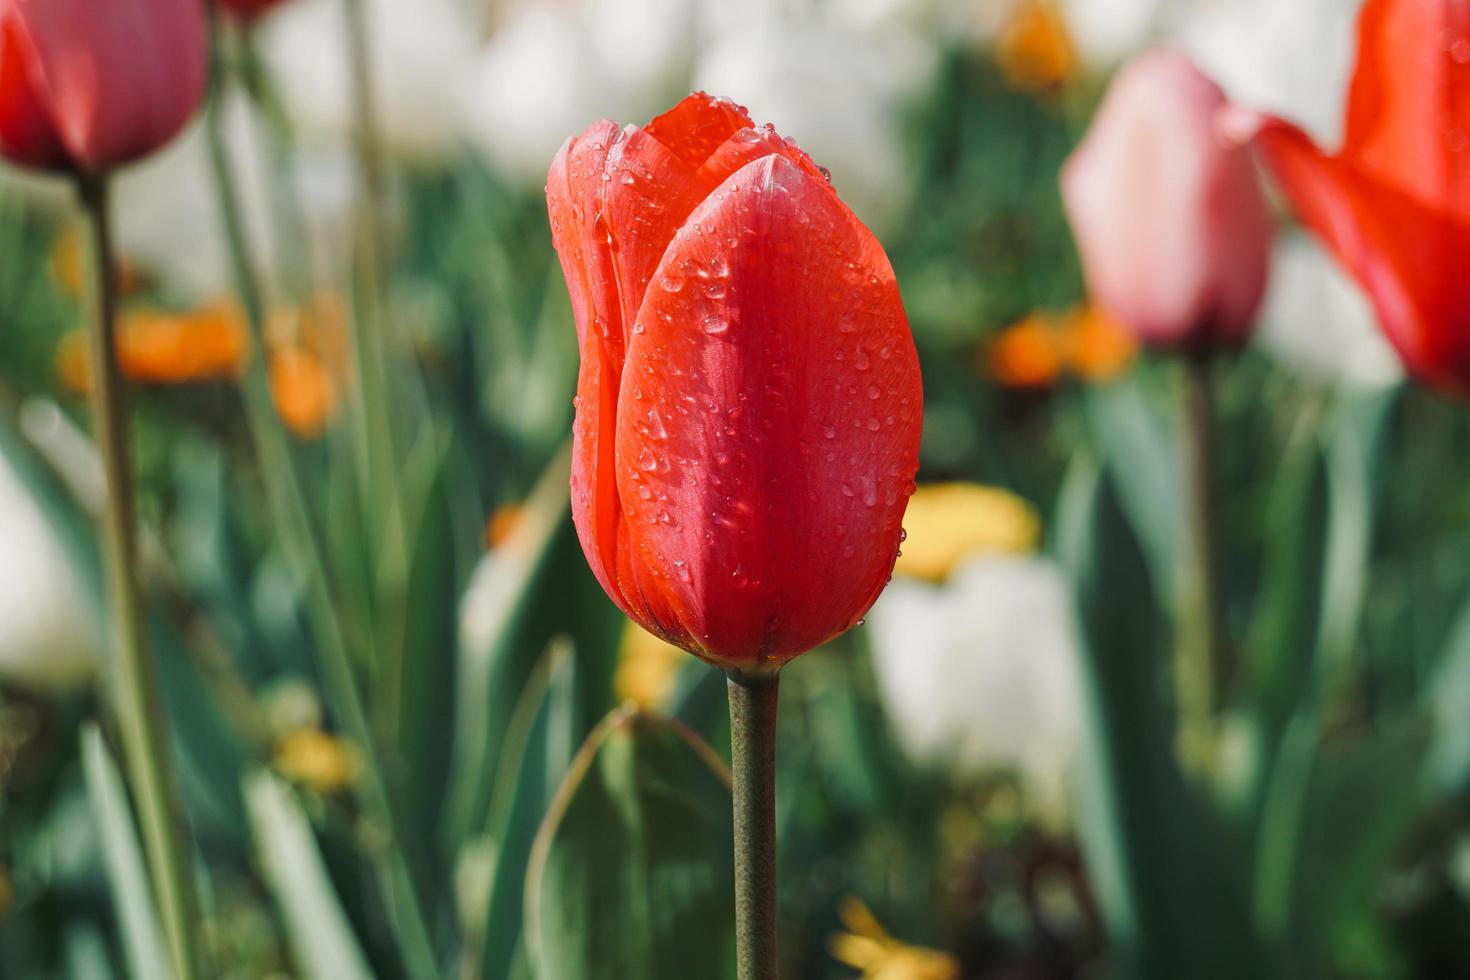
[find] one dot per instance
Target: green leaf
(1166, 876)
(320, 935)
(632, 874)
(1353, 452)
(533, 587)
(137, 920)
(1341, 812)
(535, 755)
(1141, 446)
(1286, 631)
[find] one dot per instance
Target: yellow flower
(866, 946)
(647, 668)
(1034, 50)
(313, 758)
(949, 522)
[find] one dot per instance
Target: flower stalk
(1199, 654)
(139, 707)
(753, 757)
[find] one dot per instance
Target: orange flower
(1034, 50)
(1027, 354)
(1100, 349)
(303, 390)
(1036, 351)
(159, 347)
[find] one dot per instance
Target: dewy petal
(696, 127)
(768, 425)
(1405, 255)
(26, 134)
(121, 77)
(1408, 121)
(573, 195)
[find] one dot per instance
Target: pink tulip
(92, 84)
(1169, 218)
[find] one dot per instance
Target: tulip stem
(1200, 639)
(753, 756)
(140, 709)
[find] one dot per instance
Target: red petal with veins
(768, 423)
(1406, 255)
(1408, 120)
(696, 127)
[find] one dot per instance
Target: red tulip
(1394, 203)
(248, 10)
(1169, 218)
(749, 402)
(92, 84)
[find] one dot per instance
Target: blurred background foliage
(986, 780)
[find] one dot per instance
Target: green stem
(1199, 649)
(753, 754)
(304, 549)
(140, 710)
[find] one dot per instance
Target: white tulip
(1319, 322)
(1293, 59)
(837, 93)
(420, 50)
(981, 673)
(50, 626)
(551, 69)
(1107, 32)
(167, 215)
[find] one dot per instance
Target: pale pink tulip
(1168, 214)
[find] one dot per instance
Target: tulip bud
(93, 84)
(248, 10)
(749, 403)
(1168, 215)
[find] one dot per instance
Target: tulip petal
(120, 78)
(1405, 255)
(573, 190)
(26, 134)
(1408, 119)
(696, 127)
(768, 423)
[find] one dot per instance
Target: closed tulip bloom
(248, 10)
(1169, 217)
(92, 84)
(1394, 203)
(749, 402)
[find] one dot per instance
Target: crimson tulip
(87, 85)
(1169, 218)
(749, 401)
(248, 10)
(1393, 204)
